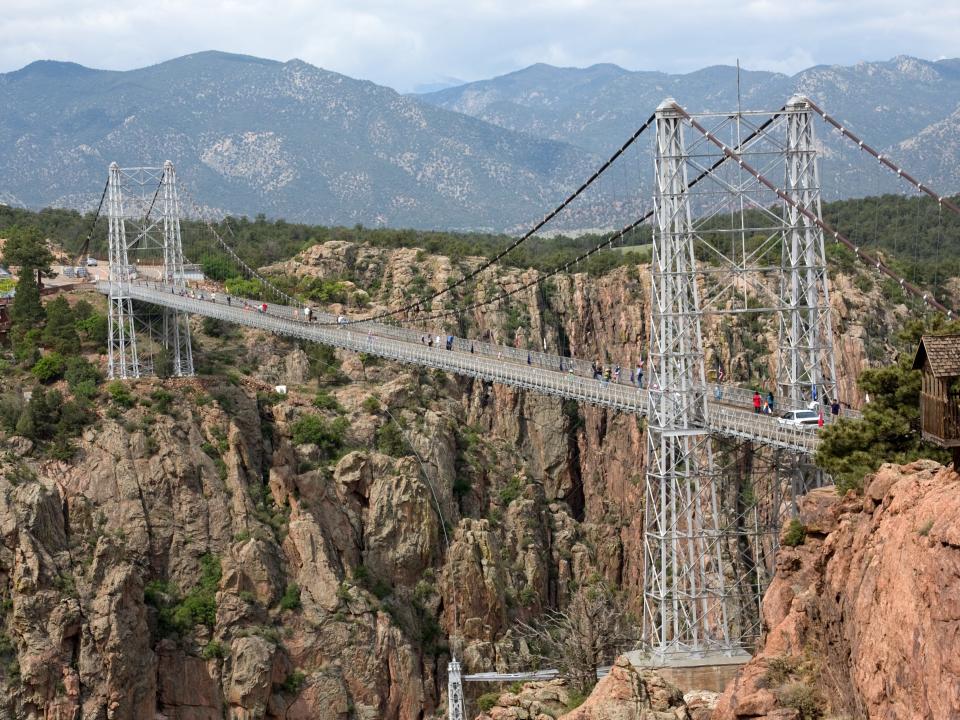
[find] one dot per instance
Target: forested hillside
(916, 236)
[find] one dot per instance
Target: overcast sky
(406, 43)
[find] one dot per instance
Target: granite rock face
(862, 618)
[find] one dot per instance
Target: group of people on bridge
(600, 372)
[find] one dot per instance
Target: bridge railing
(724, 393)
(724, 417)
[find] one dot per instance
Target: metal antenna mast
(806, 363)
(684, 598)
(122, 342)
(176, 325)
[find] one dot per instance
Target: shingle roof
(943, 352)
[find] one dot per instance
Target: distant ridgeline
(913, 234)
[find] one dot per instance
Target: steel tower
(454, 691)
(684, 600)
(132, 196)
(806, 367)
(123, 361)
(176, 325)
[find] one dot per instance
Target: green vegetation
(327, 435)
(178, 616)
(487, 701)
(389, 439)
(803, 698)
(291, 598)
(325, 401)
(365, 579)
(850, 449)
(796, 533)
(293, 682)
(213, 649)
(512, 490)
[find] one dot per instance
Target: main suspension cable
(85, 248)
(885, 161)
(608, 242)
(827, 228)
(526, 236)
(290, 299)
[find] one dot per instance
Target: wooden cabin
(938, 358)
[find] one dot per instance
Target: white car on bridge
(800, 418)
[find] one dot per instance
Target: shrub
(371, 404)
(199, 607)
(487, 701)
(462, 485)
(315, 430)
(803, 698)
(50, 367)
(325, 401)
(213, 649)
(294, 681)
(60, 332)
(120, 394)
(796, 533)
(389, 439)
(512, 491)
(291, 598)
(161, 401)
(779, 670)
(925, 529)
(80, 371)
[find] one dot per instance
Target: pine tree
(26, 311)
(60, 332)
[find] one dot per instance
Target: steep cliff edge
(214, 550)
(863, 617)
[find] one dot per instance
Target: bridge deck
(731, 415)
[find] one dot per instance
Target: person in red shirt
(757, 402)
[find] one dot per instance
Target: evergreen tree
(26, 249)
(26, 312)
(889, 431)
(60, 332)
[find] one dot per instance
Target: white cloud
(406, 42)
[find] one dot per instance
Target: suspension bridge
(761, 165)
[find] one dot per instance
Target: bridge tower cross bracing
(135, 227)
(806, 367)
(123, 361)
(176, 325)
(685, 604)
(454, 691)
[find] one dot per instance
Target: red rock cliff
(863, 618)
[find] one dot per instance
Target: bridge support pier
(685, 601)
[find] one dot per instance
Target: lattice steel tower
(133, 226)
(806, 366)
(684, 599)
(454, 691)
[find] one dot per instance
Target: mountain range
(291, 140)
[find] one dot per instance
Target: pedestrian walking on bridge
(757, 402)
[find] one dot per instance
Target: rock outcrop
(862, 617)
(625, 693)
